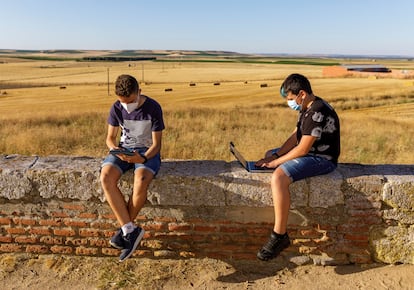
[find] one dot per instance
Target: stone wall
(357, 214)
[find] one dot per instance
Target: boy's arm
(156, 144)
(289, 144)
(300, 150)
(111, 137)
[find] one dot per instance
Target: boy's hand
(135, 158)
(266, 162)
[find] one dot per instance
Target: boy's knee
(143, 176)
(108, 177)
(279, 177)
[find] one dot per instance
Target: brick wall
(208, 209)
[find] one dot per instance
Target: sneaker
(131, 242)
(273, 247)
(117, 241)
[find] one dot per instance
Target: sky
(351, 27)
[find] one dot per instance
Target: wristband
(145, 158)
(275, 154)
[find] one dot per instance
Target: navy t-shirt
(137, 127)
(322, 122)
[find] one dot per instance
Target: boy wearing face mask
(140, 120)
(312, 149)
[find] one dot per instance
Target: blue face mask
(293, 105)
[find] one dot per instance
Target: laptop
(248, 165)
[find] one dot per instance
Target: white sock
(128, 228)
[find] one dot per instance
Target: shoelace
(272, 242)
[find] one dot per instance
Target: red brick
(310, 233)
(64, 232)
(83, 251)
(39, 231)
(353, 228)
(51, 240)
(229, 229)
(141, 218)
(16, 231)
(37, 249)
(61, 250)
(110, 252)
(324, 227)
(110, 216)
(10, 248)
(60, 214)
(179, 227)
(143, 253)
(25, 240)
(26, 222)
(6, 239)
(98, 243)
(185, 254)
(50, 223)
(86, 215)
(200, 228)
(74, 223)
(154, 226)
(108, 234)
(102, 225)
(258, 231)
(75, 242)
(88, 233)
(165, 219)
(368, 220)
(5, 221)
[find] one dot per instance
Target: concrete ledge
(357, 214)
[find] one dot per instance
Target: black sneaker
(131, 242)
(117, 241)
(273, 247)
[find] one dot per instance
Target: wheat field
(60, 107)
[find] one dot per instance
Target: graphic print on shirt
(136, 134)
(330, 125)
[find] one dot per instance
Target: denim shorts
(306, 166)
(153, 164)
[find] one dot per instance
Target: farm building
(350, 70)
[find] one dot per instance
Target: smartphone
(122, 151)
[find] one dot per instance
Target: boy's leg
(281, 200)
(109, 180)
(279, 239)
(142, 180)
(282, 177)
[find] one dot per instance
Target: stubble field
(60, 107)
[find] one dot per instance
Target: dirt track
(21, 271)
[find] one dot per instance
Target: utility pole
(108, 80)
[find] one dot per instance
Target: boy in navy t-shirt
(141, 122)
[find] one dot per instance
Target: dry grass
(39, 117)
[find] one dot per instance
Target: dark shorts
(306, 166)
(153, 165)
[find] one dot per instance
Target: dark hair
(295, 83)
(126, 85)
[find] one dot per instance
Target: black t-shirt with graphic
(322, 122)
